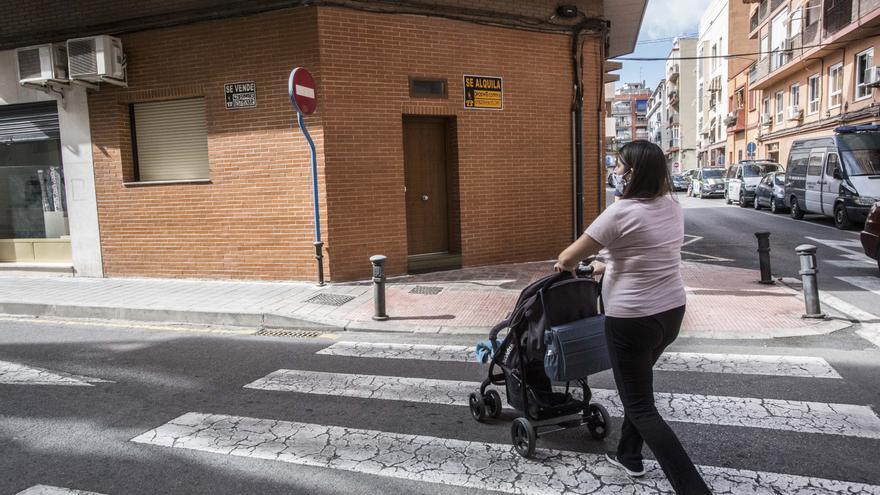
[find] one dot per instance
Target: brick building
(161, 178)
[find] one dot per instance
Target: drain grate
(280, 332)
(426, 290)
(330, 299)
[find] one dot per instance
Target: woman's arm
(583, 247)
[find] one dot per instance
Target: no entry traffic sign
(301, 88)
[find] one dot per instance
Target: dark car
(770, 192)
(680, 182)
(871, 234)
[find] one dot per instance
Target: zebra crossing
(20, 374)
(494, 466)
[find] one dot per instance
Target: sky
(664, 19)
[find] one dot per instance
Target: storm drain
(330, 299)
(279, 332)
(426, 290)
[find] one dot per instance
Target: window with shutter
(170, 140)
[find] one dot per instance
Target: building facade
(741, 121)
(171, 177)
(711, 97)
(816, 70)
(680, 147)
(658, 131)
(630, 111)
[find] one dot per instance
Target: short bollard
(378, 262)
(808, 273)
(764, 257)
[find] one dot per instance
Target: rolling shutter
(172, 140)
(29, 122)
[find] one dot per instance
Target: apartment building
(741, 121)
(658, 131)
(711, 98)
(681, 138)
(816, 69)
(629, 109)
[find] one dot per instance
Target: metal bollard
(378, 262)
(808, 273)
(764, 257)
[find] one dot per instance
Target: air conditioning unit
(42, 63)
(874, 77)
(786, 45)
(96, 59)
(766, 119)
(795, 112)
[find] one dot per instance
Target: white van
(743, 178)
(837, 176)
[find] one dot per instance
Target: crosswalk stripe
(849, 264)
(19, 374)
(478, 465)
(747, 364)
(798, 416)
(867, 283)
(53, 490)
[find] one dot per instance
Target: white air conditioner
(96, 59)
(795, 112)
(766, 119)
(786, 45)
(41, 63)
(873, 77)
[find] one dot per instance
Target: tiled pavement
(723, 302)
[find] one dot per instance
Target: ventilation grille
(82, 57)
(278, 332)
(330, 299)
(426, 290)
(29, 64)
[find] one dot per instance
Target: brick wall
(42, 21)
(514, 166)
(254, 220)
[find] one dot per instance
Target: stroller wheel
(524, 437)
(477, 406)
(493, 403)
(597, 420)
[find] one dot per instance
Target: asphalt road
(79, 437)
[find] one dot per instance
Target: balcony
(673, 97)
(759, 70)
(674, 143)
(672, 73)
(735, 121)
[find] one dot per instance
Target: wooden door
(424, 155)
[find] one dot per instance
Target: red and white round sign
(301, 88)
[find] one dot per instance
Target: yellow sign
(483, 93)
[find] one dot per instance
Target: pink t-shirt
(642, 242)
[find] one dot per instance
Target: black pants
(634, 345)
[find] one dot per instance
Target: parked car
(743, 178)
(871, 235)
(835, 176)
(680, 182)
(770, 192)
(708, 182)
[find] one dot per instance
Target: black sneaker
(612, 458)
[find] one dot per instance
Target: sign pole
(301, 88)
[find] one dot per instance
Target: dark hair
(650, 176)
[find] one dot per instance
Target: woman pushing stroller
(644, 296)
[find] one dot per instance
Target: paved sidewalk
(723, 302)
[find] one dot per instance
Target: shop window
(170, 140)
(427, 88)
(32, 196)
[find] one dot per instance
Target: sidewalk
(723, 302)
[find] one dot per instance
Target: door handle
(424, 197)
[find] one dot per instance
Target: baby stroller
(558, 302)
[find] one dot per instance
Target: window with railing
(836, 14)
(779, 39)
(835, 85)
